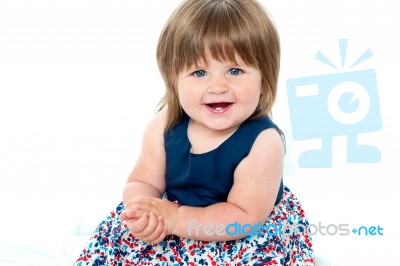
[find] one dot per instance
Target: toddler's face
(219, 95)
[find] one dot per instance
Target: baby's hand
(148, 228)
(164, 208)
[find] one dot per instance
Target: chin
(222, 126)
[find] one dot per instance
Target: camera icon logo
(325, 106)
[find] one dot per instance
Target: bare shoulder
(270, 141)
(153, 136)
(150, 166)
(265, 158)
(157, 124)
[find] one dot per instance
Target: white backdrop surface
(79, 81)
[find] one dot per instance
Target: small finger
(139, 225)
(160, 233)
(151, 225)
(157, 230)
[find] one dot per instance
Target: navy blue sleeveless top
(204, 179)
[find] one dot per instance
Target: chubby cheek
(186, 99)
(253, 103)
(183, 102)
(251, 96)
(259, 90)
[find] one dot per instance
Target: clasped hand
(150, 219)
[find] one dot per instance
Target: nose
(218, 85)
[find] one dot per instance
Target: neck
(204, 139)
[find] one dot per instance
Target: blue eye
(235, 71)
(199, 73)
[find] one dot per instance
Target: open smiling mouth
(219, 107)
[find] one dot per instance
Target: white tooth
(218, 108)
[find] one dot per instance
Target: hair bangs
(220, 33)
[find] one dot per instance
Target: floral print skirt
(284, 239)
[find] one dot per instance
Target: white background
(79, 81)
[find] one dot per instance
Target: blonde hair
(224, 28)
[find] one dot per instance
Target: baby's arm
(251, 199)
(147, 179)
